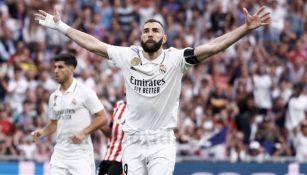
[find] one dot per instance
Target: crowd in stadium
(246, 103)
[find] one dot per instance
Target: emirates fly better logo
(147, 87)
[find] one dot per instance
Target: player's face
(153, 37)
(62, 71)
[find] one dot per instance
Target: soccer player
(70, 111)
(112, 162)
(152, 78)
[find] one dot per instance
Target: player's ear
(164, 39)
(72, 69)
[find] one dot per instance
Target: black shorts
(110, 168)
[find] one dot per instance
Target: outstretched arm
(86, 41)
(251, 22)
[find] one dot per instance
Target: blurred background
(243, 111)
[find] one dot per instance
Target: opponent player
(153, 82)
(112, 162)
(70, 110)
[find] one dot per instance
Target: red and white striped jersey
(114, 147)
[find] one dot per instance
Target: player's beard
(62, 79)
(152, 46)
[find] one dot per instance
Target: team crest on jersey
(135, 61)
(162, 69)
(74, 101)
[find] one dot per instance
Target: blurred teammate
(153, 83)
(112, 162)
(70, 109)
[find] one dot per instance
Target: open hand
(45, 18)
(53, 22)
(261, 18)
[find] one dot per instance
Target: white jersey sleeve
(92, 102)
(51, 113)
(184, 66)
(118, 54)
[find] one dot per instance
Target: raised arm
(252, 22)
(86, 41)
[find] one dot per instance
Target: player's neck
(65, 85)
(152, 56)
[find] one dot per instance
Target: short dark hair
(154, 20)
(69, 59)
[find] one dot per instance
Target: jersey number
(126, 169)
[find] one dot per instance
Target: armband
(190, 57)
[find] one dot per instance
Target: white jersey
(152, 87)
(72, 110)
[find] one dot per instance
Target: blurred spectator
(146, 11)
(283, 90)
(214, 142)
(87, 79)
(30, 76)
(217, 19)
(218, 99)
(22, 54)
(16, 90)
(296, 110)
(7, 47)
(8, 148)
(126, 14)
(246, 118)
(295, 66)
(84, 18)
(278, 114)
(278, 17)
(262, 89)
(269, 137)
(236, 147)
(32, 33)
(6, 123)
(297, 10)
(106, 12)
(25, 119)
(3, 79)
(42, 153)
(255, 153)
(116, 34)
(27, 148)
(300, 142)
(47, 82)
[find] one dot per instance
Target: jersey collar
(156, 61)
(71, 88)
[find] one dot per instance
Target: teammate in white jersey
(112, 161)
(153, 82)
(71, 108)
